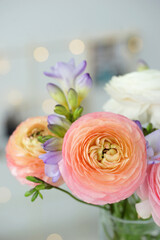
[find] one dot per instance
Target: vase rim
(132, 221)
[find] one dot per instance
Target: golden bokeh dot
(40, 54)
(5, 194)
(4, 66)
(134, 44)
(48, 106)
(14, 97)
(76, 46)
(54, 237)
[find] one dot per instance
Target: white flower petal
(144, 209)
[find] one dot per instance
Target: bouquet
(106, 159)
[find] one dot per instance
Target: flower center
(31, 143)
(105, 153)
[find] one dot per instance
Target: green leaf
(149, 127)
(43, 139)
(77, 113)
(40, 187)
(57, 130)
(34, 179)
(35, 195)
(41, 196)
(30, 192)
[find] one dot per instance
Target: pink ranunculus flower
(149, 191)
(23, 149)
(104, 158)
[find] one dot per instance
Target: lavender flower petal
(82, 86)
(80, 68)
(51, 157)
(72, 62)
(52, 171)
(54, 119)
(50, 74)
(154, 140)
(56, 177)
(83, 81)
(67, 72)
(150, 152)
(53, 144)
(138, 124)
(157, 157)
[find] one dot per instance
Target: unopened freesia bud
(142, 65)
(72, 99)
(62, 121)
(77, 113)
(57, 130)
(57, 94)
(61, 110)
(83, 85)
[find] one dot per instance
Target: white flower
(136, 95)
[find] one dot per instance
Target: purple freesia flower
(153, 147)
(51, 158)
(83, 85)
(67, 72)
(138, 124)
(52, 171)
(62, 121)
(53, 144)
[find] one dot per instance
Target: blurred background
(111, 35)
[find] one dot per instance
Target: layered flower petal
(23, 149)
(136, 95)
(150, 188)
(104, 158)
(143, 209)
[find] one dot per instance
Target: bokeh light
(135, 44)
(40, 54)
(48, 106)
(76, 46)
(4, 66)
(5, 194)
(54, 237)
(14, 97)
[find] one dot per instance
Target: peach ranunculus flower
(23, 149)
(104, 158)
(149, 191)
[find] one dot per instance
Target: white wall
(24, 22)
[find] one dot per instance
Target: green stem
(48, 186)
(124, 207)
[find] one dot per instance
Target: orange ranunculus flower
(23, 149)
(104, 158)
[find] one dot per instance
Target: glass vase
(113, 228)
